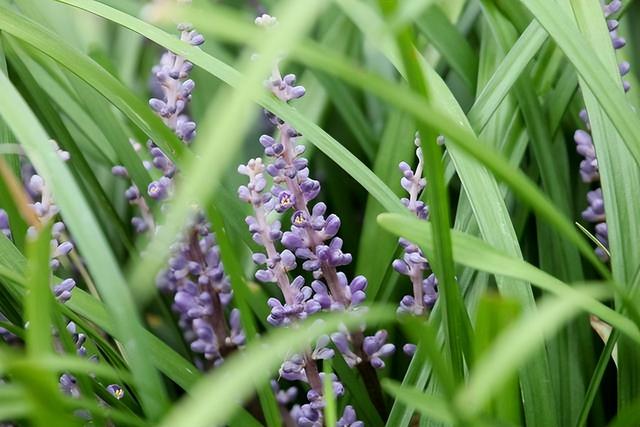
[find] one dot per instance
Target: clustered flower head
(202, 293)
(194, 275)
(310, 242)
(413, 263)
(173, 90)
(44, 208)
(589, 172)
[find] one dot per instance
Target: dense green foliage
(531, 327)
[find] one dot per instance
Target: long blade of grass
(429, 406)
(38, 304)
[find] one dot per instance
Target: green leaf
(514, 347)
(38, 302)
(455, 49)
(495, 314)
(430, 406)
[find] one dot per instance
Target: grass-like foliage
(319, 213)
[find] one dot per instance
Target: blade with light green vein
(41, 385)
(91, 243)
(458, 330)
(39, 301)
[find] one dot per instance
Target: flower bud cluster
(589, 172)
(413, 263)
(310, 242)
(173, 91)
(201, 294)
(194, 275)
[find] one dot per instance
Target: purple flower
(349, 419)
(293, 369)
(69, 385)
(284, 397)
(584, 145)
(409, 349)
(376, 348)
(116, 391)
(413, 262)
(62, 291)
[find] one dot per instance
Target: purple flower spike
(159, 189)
(589, 166)
(414, 263)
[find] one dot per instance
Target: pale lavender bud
(409, 349)
(595, 210)
(376, 348)
(62, 291)
(293, 369)
(349, 418)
